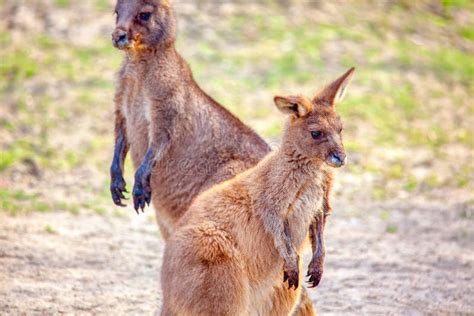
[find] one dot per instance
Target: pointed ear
(296, 105)
(335, 91)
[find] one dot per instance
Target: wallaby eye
(340, 130)
(144, 16)
(316, 134)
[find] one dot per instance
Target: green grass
(54, 89)
(384, 215)
(17, 66)
(467, 32)
(457, 4)
(391, 229)
(63, 3)
(14, 202)
(50, 230)
(411, 183)
(447, 63)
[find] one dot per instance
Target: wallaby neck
(290, 154)
(151, 55)
(161, 61)
(286, 164)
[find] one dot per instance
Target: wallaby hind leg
(203, 275)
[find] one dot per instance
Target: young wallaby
(228, 254)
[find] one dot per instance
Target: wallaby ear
(296, 105)
(335, 91)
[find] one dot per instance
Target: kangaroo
(227, 256)
(181, 140)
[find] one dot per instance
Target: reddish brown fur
(228, 254)
(192, 141)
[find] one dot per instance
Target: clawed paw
(141, 190)
(315, 273)
(291, 272)
(117, 189)
(292, 277)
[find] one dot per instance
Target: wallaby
(227, 256)
(181, 140)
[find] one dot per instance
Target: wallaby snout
(120, 38)
(337, 159)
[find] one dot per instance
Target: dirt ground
(94, 264)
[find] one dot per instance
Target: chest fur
(136, 105)
(136, 109)
(305, 206)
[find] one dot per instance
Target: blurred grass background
(408, 115)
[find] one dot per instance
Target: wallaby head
(143, 24)
(314, 129)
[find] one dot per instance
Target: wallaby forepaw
(315, 273)
(292, 277)
(117, 188)
(141, 190)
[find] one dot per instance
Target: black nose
(338, 159)
(120, 38)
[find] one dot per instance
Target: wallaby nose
(120, 38)
(338, 159)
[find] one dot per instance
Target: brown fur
(181, 141)
(228, 254)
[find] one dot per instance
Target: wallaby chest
(135, 103)
(136, 108)
(306, 203)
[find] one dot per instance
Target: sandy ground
(93, 264)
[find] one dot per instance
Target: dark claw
(117, 187)
(141, 190)
(122, 196)
(135, 203)
(315, 274)
(292, 278)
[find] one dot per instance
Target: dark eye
(145, 16)
(316, 134)
(340, 130)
